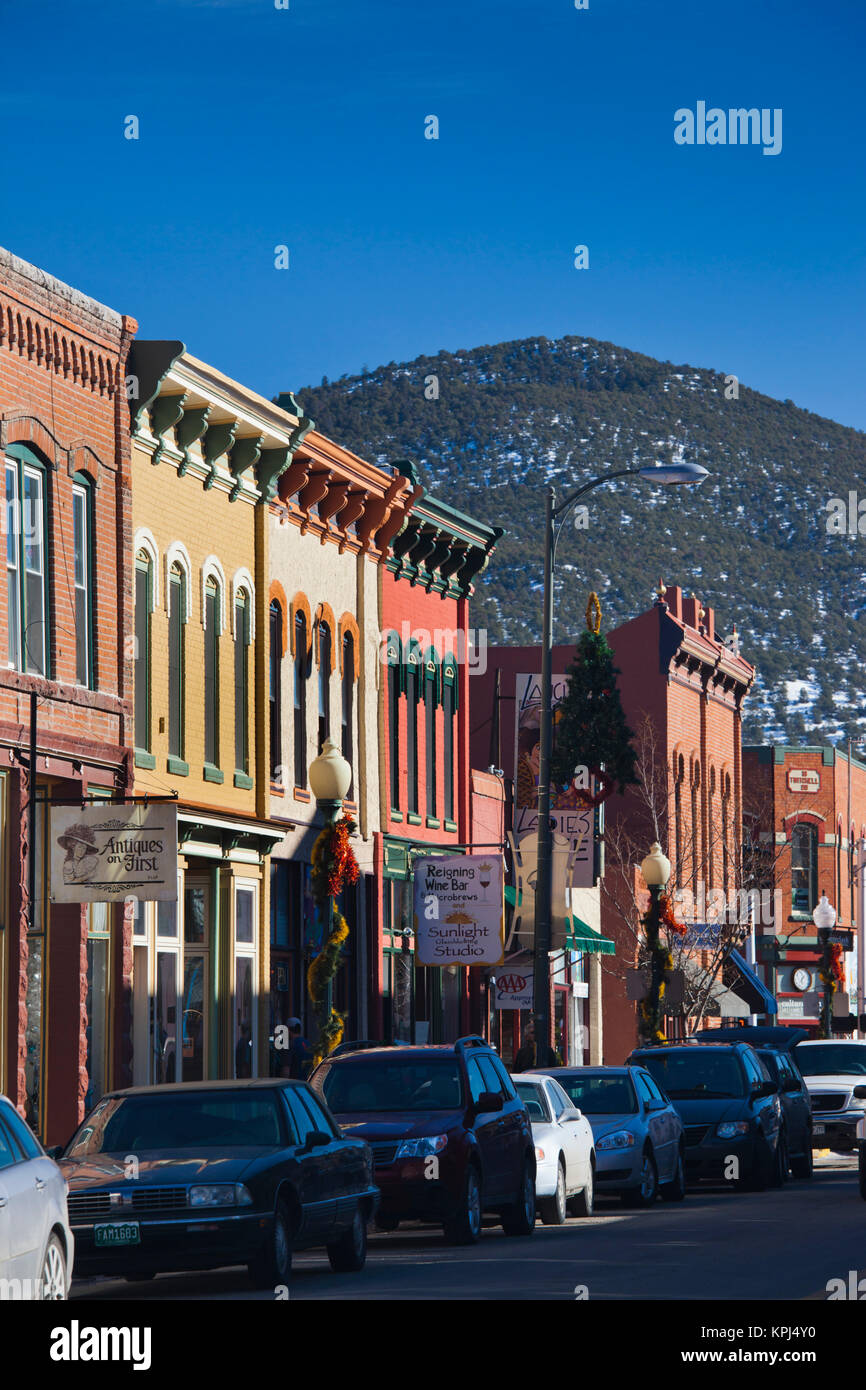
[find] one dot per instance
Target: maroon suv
(450, 1136)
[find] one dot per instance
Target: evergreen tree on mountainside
(751, 541)
(590, 727)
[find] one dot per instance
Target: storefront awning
(579, 936)
(749, 987)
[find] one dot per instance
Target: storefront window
(33, 1028)
(196, 974)
(245, 1012)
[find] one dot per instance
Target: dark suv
(729, 1108)
(451, 1139)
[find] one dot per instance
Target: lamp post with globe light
(656, 870)
(667, 474)
(824, 917)
(330, 778)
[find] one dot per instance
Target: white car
(564, 1150)
(36, 1245)
(833, 1071)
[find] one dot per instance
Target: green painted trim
(177, 766)
(143, 759)
(242, 779)
(396, 815)
(432, 823)
(451, 825)
(213, 774)
(413, 819)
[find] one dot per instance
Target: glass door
(197, 923)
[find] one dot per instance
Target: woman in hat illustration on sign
(82, 856)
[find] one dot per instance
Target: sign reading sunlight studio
(106, 852)
(459, 910)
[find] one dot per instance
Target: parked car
(36, 1245)
(564, 1150)
(833, 1071)
(639, 1143)
(450, 1136)
(729, 1108)
(211, 1173)
(778, 1058)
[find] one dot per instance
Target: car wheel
(648, 1188)
(464, 1227)
(584, 1203)
(803, 1166)
(553, 1208)
(349, 1254)
(273, 1265)
(53, 1277)
(519, 1218)
(675, 1190)
(779, 1171)
(760, 1173)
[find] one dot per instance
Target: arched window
(324, 683)
(177, 612)
(212, 627)
(347, 703)
(449, 709)
(696, 833)
(144, 577)
(82, 544)
(301, 670)
(679, 777)
(275, 650)
(395, 686)
(413, 694)
(26, 568)
(804, 867)
(711, 826)
(431, 702)
(242, 682)
(726, 826)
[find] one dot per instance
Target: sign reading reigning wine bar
(459, 910)
(109, 851)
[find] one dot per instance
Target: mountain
(490, 427)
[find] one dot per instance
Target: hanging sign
(106, 852)
(459, 910)
(574, 820)
(514, 986)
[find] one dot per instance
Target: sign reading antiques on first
(459, 910)
(110, 851)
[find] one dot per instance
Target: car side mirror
(763, 1088)
(571, 1116)
(55, 1151)
(317, 1139)
(859, 1093)
(793, 1088)
(488, 1102)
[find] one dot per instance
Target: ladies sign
(106, 852)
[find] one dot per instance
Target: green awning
(580, 936)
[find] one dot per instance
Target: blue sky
(305, 127)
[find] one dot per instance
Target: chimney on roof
(692, 611)
(674, 600)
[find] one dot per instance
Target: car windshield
(364, 1085)
(534, 1099)
(600, 1095)
(211, 1120)
(696, 1074)
(832, 1059)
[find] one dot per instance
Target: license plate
(819, 1129)
(117, 1233)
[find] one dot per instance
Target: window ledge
(301, 794)
(143, 759)
(433, 823)
(213, 774)
(243, 779)
(414, 819)
(178, 766)
(451, 825)
(351, 807)
(396, 815)
(277, 789)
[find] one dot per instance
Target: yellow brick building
(206, 457)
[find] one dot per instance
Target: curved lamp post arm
(560, 512)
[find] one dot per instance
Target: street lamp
(668, 474)
(330, 779)
(656, 870)
(824, 917)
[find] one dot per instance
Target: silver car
(639, 1144)
(36, 1245)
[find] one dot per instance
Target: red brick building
(807, 809)
(66, 627)
(428, 795)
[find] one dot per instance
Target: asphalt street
(717, 1244)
